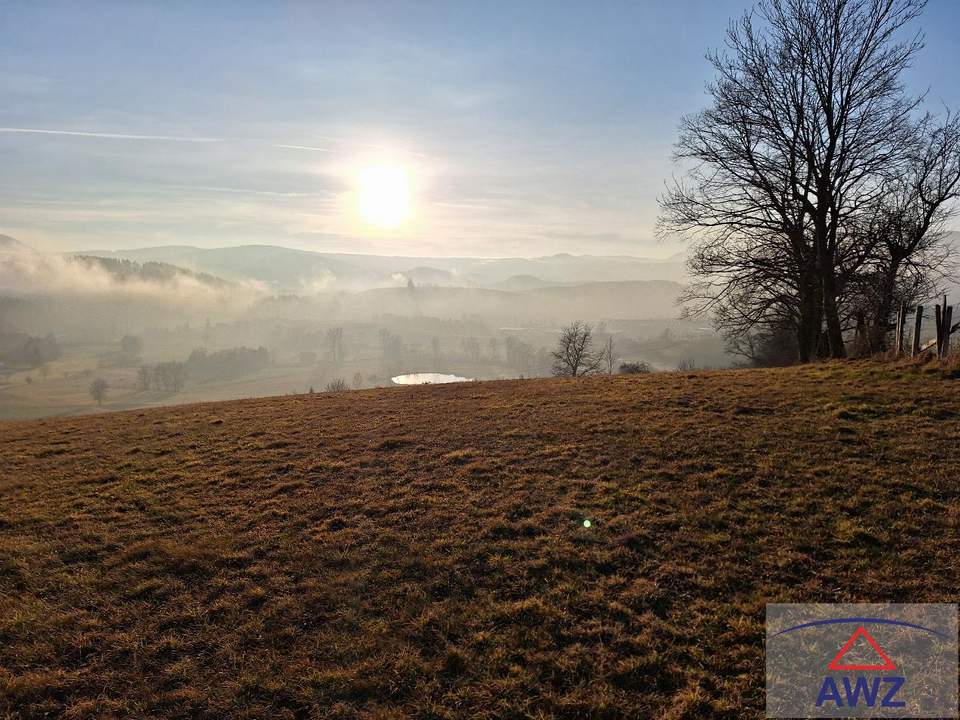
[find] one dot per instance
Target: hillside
(8, 243)
(640, 299)
(421, 551)
(289, 270)
(150, 271)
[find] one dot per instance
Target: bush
(98, 390)
(337, 385)
(226, 364)
(635, 368)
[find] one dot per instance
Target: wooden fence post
(943, 329)
(947, 320)
(896, 333)
(901, 323)
(917, 321)
(939, 330)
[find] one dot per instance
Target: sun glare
(383, 195)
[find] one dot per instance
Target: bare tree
(471, 348)
(908, 249)
(98, 390)
(335, 345)
(742, 201)
(808, 131)
(131, 346)
(608, 355)
(393, 351)
(144, 377)
(178, 375)
(574, 355)
(170, 376)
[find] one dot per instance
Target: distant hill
(9, 243)
(613, 300)
(565, 268)
(522, 282)
(287, 270)
(423, 275)
(552, 306)
(150, 271)
(279, 269)
(556, 304)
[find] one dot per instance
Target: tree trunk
(881, 323)
(885, 306)
(808, 325)
(828, 287)
(831, 313)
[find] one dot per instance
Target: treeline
(526, 359)
(125, 270)
(131, 348)
(168, 376)
(201, 366)
(519, 355)
(30, 351)
(235, 362)
(819, 189)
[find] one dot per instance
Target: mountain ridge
(285, 269)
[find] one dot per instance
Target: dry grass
(421, 551)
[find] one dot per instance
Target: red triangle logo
(861, 632)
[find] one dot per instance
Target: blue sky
(524, 128)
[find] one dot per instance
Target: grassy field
(64, 390)
(422, 551)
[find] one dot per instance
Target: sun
(383, 195)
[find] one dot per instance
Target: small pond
(427, 378)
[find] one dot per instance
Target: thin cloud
(111, 136)
(305, 147)
(180, 138)
(347, 145)
(246, 191)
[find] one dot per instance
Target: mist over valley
(265, 320)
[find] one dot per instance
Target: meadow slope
(421, 551)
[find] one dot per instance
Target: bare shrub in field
(575, 354)
(635, 368)
(337, 385)
(98, 390)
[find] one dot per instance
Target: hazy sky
(520, 128)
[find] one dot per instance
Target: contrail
(304, 147)
(178, 138)
(244, 191)
(113, 136)
(313, 148)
